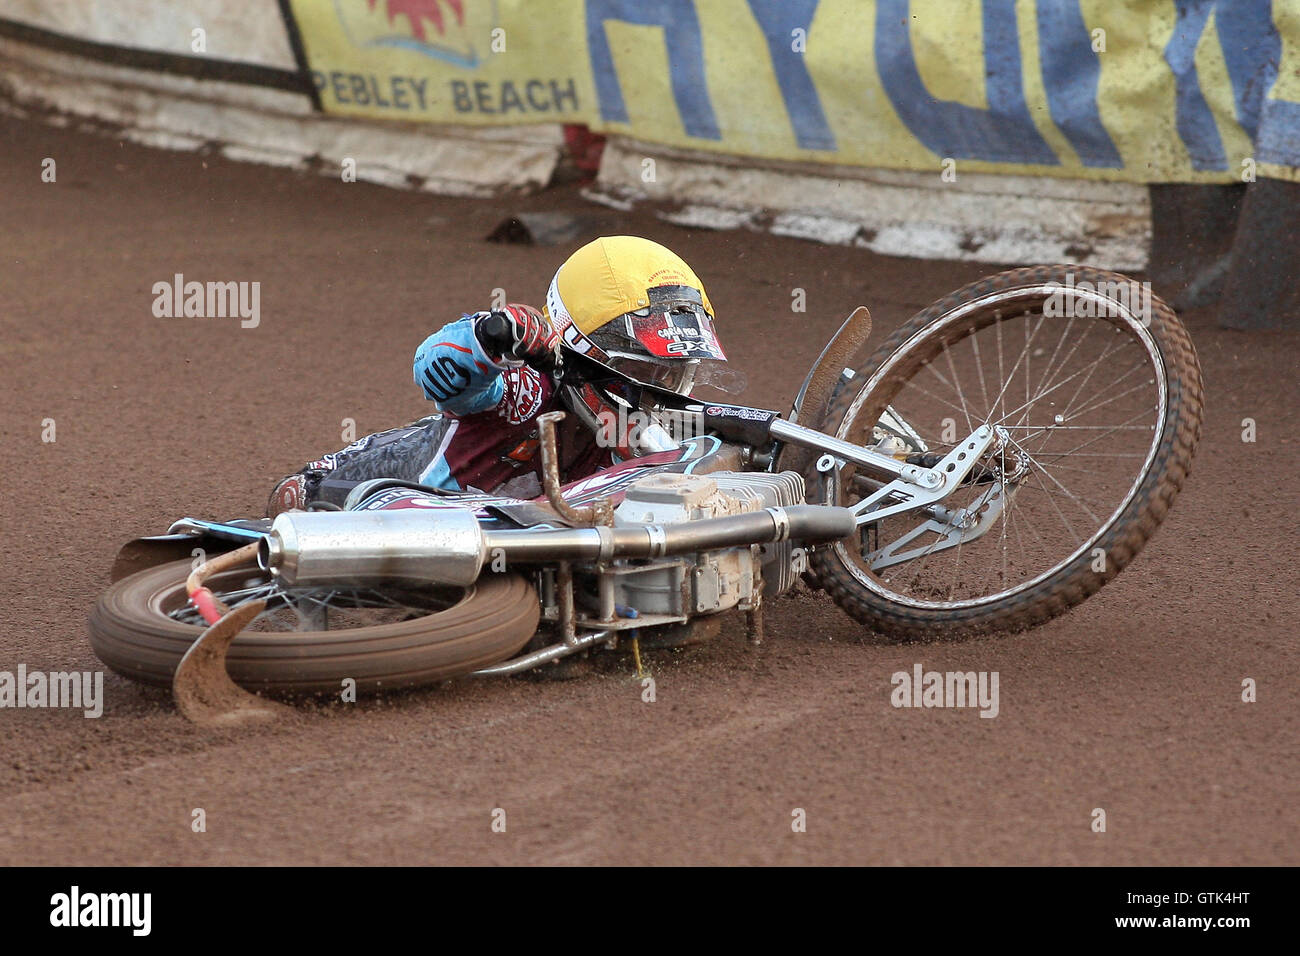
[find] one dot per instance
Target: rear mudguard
(187, 538)
(144, 553)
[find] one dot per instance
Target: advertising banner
(1131, 90)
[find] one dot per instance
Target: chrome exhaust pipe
(448, 546)
(812, 524)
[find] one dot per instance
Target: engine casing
(717, 580)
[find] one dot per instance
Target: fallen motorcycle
(1001, 457)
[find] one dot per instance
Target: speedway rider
(626, 302)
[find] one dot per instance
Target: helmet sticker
(555, 310)
(678, 334)
(574, 338)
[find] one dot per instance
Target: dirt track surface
(1130, 703)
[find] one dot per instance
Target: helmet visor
(674, 325)
(720, 376)
(675, 376)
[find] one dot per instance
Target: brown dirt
(1130, 702)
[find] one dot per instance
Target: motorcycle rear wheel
(142, 626)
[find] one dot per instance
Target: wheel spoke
(1088, 368)
(979, 369)
(317, 609)
(970, 427)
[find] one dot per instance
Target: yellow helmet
(637, 306)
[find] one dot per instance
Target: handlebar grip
(494, 333)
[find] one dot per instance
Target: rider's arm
(452, 369)
(460, 366)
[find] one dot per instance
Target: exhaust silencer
(437, 545)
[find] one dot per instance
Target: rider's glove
(517, 334)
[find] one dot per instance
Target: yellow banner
(1136, 90)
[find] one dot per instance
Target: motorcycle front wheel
(1094, 390)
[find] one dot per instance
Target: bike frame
(908, 487)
